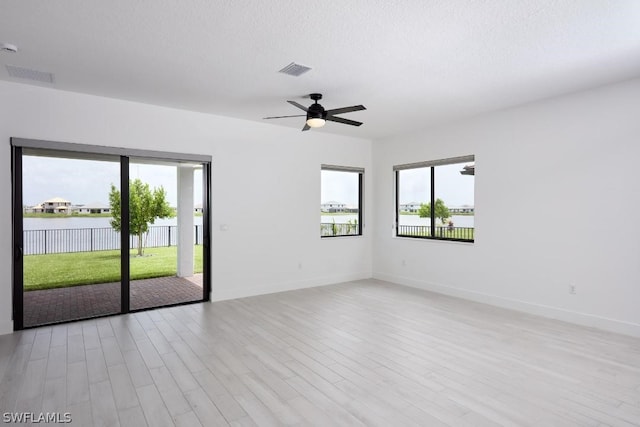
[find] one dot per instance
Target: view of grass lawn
(85, 268)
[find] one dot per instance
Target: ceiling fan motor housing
(316, 111)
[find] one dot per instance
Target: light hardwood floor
(358, 353)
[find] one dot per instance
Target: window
(341, 201)
(435, 199)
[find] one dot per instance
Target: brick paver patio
(78, 302)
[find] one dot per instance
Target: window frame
(432, 164)
(360, 172)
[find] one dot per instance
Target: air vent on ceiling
(294, 69)
(29, 74)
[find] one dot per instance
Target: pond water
(58, 223)
(458, 220)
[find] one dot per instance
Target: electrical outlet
(572, 289)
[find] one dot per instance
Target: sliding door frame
(59, 149)
(125, 259)
(17, 238)
(206, 231)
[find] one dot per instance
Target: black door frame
(17, 146)
(17, 238)
(124, 237)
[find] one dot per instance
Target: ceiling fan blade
(345, 110)
(282, 117)
(300, 106)
(343, 121)
(306, 127)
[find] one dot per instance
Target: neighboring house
(92, 208)
(462, 209)
(34, 209)
(56, 205)
(415, 207)
(332, 207)
(410, 207)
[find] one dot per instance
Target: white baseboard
(261, 289)
(584, 319)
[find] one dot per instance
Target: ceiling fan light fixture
(315, 122)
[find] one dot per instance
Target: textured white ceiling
(412, 63)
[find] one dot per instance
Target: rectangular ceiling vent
(28, 74)
(294, 69)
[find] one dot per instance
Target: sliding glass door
(98, 231)
(166, 232)
(71, 254)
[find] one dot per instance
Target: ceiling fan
(317, 116)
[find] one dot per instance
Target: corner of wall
(6, 327)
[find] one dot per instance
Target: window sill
(424, 239)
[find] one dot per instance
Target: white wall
(258, 171)
(545, 171)
(557, 201)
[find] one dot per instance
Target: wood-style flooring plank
(125, 396)
(153, 407)
(103, 406)
(132, 417)
(77, 383)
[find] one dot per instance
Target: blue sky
(452, 187)
(88, 181)
(337, 186)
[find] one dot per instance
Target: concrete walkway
(79, 302)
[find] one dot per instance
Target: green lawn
(85, 268)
